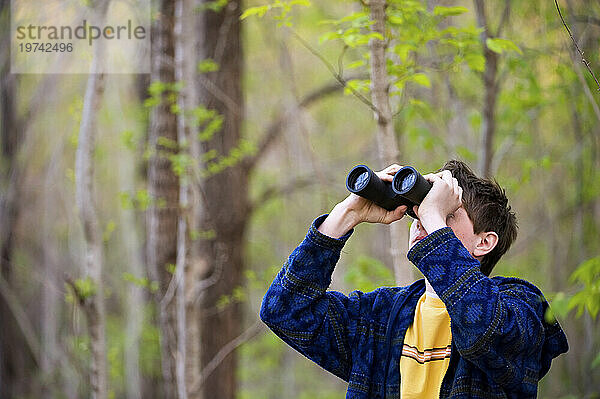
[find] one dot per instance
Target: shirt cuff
(424, 247)
(322, 240)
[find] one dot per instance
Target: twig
(585, 62)
(33, 343)
(223, 353)
(335, 74)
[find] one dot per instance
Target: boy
(456, 334)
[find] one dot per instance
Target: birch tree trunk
(163, 187)
(93, 305)
(134, 314)
(387, 144)
(184, 72)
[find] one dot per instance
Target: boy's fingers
(455, 184)
(447, 177)
(393, 168)
(432, 177)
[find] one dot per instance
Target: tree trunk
(490, 84)
(134, 296)
(93, 305)
(163, 187)
(225, 200)
(15, 363)
(386, 139)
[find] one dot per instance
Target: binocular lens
(408, 181)
(361, 181)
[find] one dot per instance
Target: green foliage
(108, 230)
(170, 267)
(238, 295)
(143, 282)
(587, 297)
(159, 90)
(366, 274)
(441, 11)
(181, 162)
(84, 288)
(209, 122)
(219, 163)
(141, 200)
(283, 9)
(207, 65)
(202, 235)
(215, 5)
(499, 45)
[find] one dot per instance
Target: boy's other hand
(355, 209)
(444, 198)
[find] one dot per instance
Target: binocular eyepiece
(408, 188)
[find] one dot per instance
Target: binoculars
(408, 188)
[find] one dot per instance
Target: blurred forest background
(142, 217)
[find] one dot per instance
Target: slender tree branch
(504, 19)
(335, 74)
(585, 62)
(33, 343)
(586, 19)
(276, 191)
(247, 335)
(274, 130)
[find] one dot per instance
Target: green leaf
(207, 65)
(421, 78)
(596, 361)
(449, 11)
(476, 62)
(498, 45)
(259, 11)
(356, 64)
(329, 36)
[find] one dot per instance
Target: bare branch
(504, 19)
(33, 343)
(276, 191)
(247, 335)
(335, 74)
(278, 124)
(585, 62)
(587, 19)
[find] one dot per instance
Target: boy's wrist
(432, 221)
(340, 221)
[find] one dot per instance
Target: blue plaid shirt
(501, 344)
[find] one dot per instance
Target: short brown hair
(487, 206)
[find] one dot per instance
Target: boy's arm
(500, 330)
(318, 323)
(300, 311)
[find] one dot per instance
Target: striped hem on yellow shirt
(427, 355)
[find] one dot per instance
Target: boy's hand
(355, 209)
(444, 198)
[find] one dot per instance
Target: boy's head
(487, 207)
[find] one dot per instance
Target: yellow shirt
(426, 351)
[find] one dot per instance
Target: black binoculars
(408, 188)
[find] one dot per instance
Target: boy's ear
(487, 242)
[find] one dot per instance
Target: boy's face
(459, 222)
